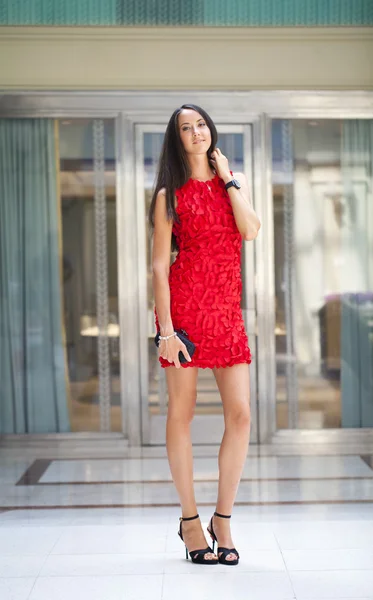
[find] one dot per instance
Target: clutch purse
(183, 336)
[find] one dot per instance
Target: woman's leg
(182, 394)
(234, 387)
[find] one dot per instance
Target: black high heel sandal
(222, 552)
(197, 556)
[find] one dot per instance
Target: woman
(201, 209)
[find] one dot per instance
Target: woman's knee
(180, 418)
(181, 411)
(239, 418)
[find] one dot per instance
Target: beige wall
(182, 58)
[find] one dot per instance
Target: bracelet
(167, 337)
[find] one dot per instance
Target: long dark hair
(173, 169)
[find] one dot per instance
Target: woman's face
(194, 132)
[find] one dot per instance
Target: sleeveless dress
(205, 278)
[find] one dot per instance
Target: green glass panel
(58, 12)
(216, 13)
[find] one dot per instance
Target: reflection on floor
(96, 520)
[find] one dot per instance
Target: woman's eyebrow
(187, 122)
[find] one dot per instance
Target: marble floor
(96, 520)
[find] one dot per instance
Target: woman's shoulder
(162, 200)
(161, 193)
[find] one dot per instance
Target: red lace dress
(205, 278)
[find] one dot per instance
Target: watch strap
(233, 183)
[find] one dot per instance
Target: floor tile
(324, 535)
(20, 541)
(154, 494)
(153, 469)
(23, 497)
(83, 516)
(315, 531)
(305, 467)
(16, 589)
(112, 539)
(106, 470)
(332, 584)
(368, 459)
(12, 470)
(37, 518)
(264, 561)
(21, 565)
(103, 564)
(322, 559)
(303, 512)
(130, 587)
(121, 516)
(233, 584)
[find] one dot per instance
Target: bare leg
(234, 387)
(182, 394)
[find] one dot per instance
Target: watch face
(236, 183)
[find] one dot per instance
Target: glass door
(235, 143)
(87, 158)
(323, 242)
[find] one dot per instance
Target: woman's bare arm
(168, 349)
(161, 263)
(245, 216)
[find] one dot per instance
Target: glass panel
(208, 399)
(88, 201)
(208, 13)
(323, 233)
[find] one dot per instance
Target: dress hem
(188, 364)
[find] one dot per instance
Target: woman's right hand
(169, 350)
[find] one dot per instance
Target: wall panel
(185, 58)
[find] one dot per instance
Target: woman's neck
(200, 168)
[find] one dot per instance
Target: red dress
(205, 278)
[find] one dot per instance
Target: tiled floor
(98, 522)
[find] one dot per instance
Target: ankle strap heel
(222, 551)
(181, 519)
(197, 556)
(188, 518)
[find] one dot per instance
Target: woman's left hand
(221, 165)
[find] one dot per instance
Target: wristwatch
(233, 183)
